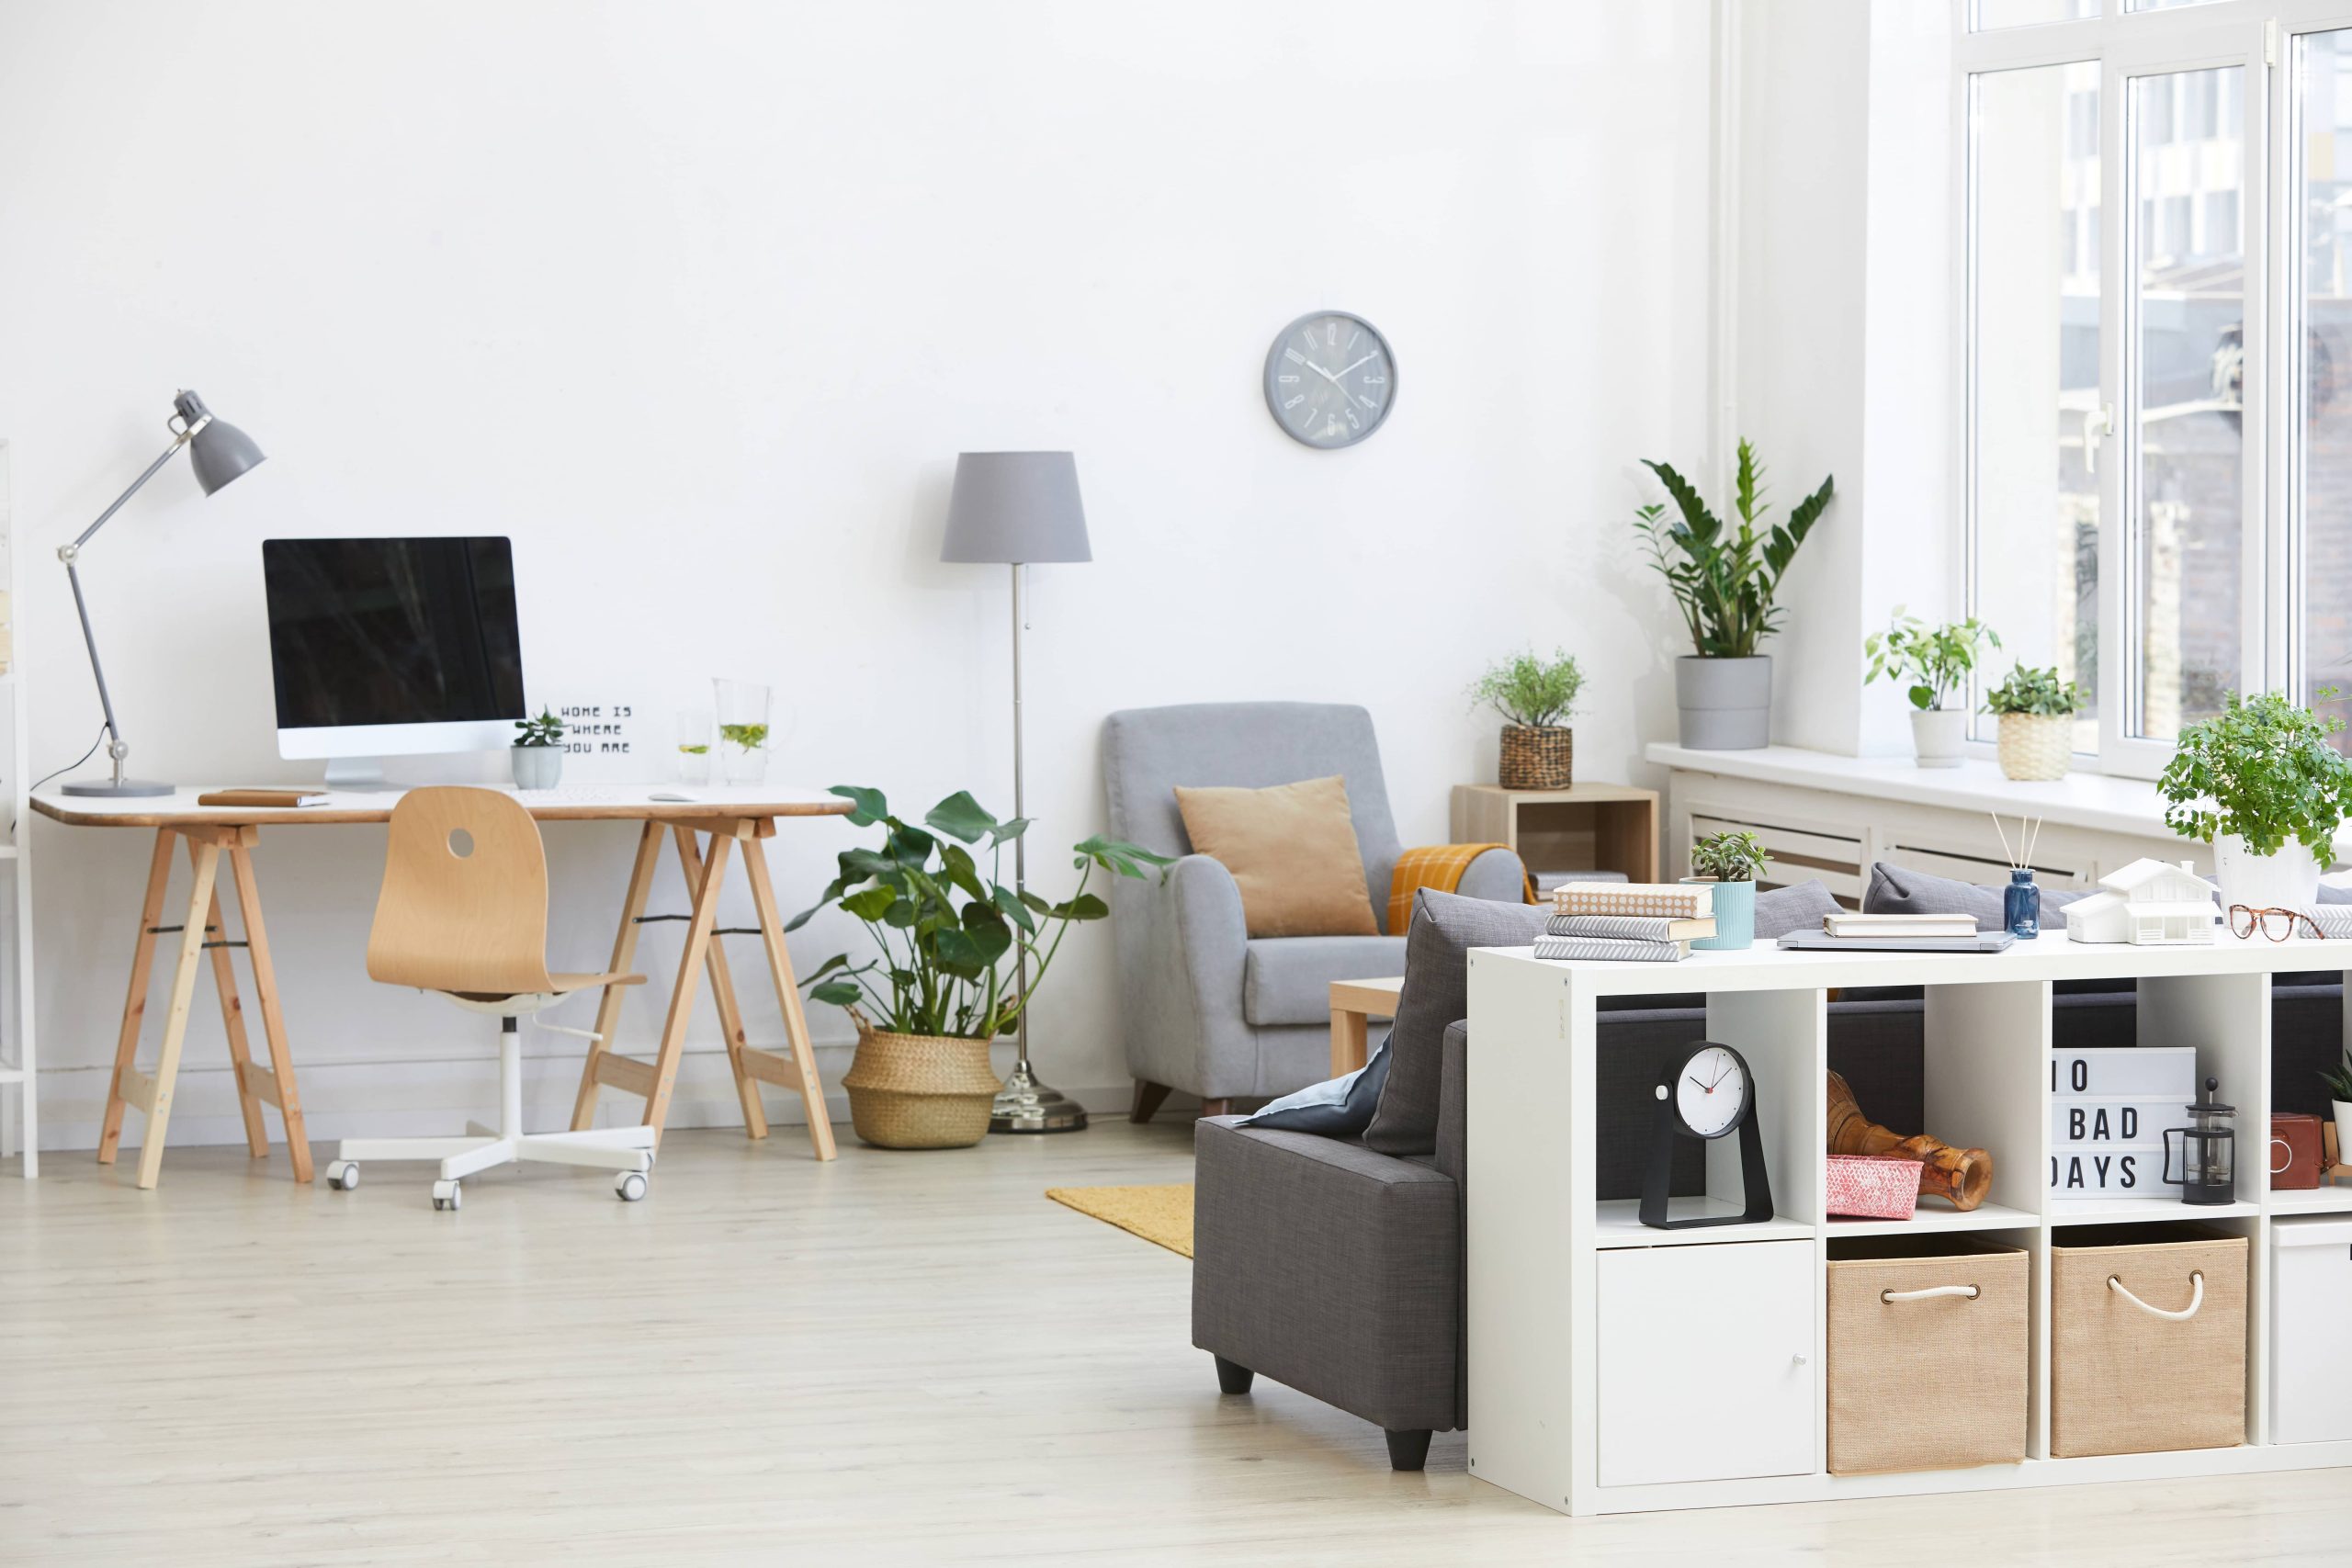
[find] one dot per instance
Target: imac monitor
(385, 646)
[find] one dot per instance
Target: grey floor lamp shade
(1014, 508)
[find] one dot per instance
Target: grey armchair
(1207, 1009)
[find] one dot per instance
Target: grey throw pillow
(1339, 1109)
(1897, 890)
(1444, 930)
(1780, 910)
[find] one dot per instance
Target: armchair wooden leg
(1216, 1108)
(1148, 1098)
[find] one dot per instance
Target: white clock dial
(1329, 379)
(1712, 1092)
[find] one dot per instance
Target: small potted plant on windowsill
(1729, 861)
(2036, 710)
(2260, 782)
(1534, 695)
(1936, 661)
(538, 751)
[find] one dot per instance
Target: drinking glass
(742, 730)
(695, 736)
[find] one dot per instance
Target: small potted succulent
(2262, 784)
(538, 751)
(2037, 722)
(1534, 696)
(1936, 661)
(1729, 861)
(2339, 1081)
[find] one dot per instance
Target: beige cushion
(1292, 850)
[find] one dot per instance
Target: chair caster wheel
(343, 1174)
(631, 1185)
(446, 1195)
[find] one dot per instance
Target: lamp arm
(117, 747)
(65, 553)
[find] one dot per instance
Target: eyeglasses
(2277, 924)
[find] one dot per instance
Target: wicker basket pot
(1537, 756)
(2037, 745)
(919, 1091)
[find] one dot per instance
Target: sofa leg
(1148, 1098)
(1233, 1378)
(1407, 1451)
(1216, 1108)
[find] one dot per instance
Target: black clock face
(1329, 379)
(1710, 1091)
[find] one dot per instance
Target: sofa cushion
(1287, 979)
(1293, 852)
(1445, 926)
(1898, 890)
(1341, 1108)
(1780, 910)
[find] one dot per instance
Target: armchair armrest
(1184, 953)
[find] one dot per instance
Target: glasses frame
(2260, 920)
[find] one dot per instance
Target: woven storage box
(1926, 1381)
(2125, 1380)
(1537, 757)
(1874, 1187)
(2036, 745)
(919, 1091)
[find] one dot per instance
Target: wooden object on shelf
(1355, 1004)
(1960, 1175)
(1586, 827)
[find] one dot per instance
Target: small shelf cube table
(1586, 827)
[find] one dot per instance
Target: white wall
(698, 301)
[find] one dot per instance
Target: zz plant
(1732, 855)
(1724, 578)
(1935, 661)
(942, 925)
(2263, 769)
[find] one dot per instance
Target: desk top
(576, 802)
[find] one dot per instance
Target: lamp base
(126, 789)
(1025, 1105)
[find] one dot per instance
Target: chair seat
(559, 986)
(1287, 979)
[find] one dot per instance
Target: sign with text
(609, 738)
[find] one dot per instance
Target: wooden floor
(895, 1358)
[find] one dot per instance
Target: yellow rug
(1159, 1215)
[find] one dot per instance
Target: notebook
(257, 796)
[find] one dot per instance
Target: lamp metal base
(127, 789)
(1025, 1105)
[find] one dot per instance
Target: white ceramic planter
(537, 767)
(2287, 880)
(1938, 735)
(1725, 703)
(2343, 1125)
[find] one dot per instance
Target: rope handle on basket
(1932, 1291)
(2196, 1298)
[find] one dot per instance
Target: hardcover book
(1668, 900)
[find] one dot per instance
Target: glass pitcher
(2207, 1151)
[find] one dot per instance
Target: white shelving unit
(1546, 1255)
(19, 1099)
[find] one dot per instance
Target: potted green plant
(1723, 581)
(538, 751)
(1534, 695)
(2036, 710)
(2260, 782)
(2339, 1081)
(938, 986)
(1730, 861)
(1935, 663)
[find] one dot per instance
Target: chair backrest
(464, 906)
(1146, 752)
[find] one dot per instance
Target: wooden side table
(1355, 1004)
(1586, 827)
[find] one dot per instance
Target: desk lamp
(221, 452)
(1013, 508)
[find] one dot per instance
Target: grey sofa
(1207, 1009)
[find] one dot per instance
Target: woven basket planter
(919, 1091)
(1537, 757)
(2036, 745)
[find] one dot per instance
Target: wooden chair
(464, 912)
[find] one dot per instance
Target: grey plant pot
(537, 767)
(1726, 703)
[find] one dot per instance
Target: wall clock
(1707, 1093)
(1331, 379)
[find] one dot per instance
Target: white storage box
(2311, 1354)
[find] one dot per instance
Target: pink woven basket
(1874, 1187)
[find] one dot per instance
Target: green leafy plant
(1936, 660)
(2262, 769)
(545, 730)
(1731, 855)
(1533, 692)
(750, 737)
(2338, 1079)
(2039, 692)
(1724, 579)
(942, 925)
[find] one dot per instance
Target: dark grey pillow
(1339, 1109)
(1898, 890)
(1443, 928)
(1780, 910)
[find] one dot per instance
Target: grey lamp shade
(221, 451)
(1016, 507)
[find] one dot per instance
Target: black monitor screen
(393, 631)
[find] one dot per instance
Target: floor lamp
(1012, 509)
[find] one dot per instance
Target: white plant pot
(2287, 880)
(1938, 735)
(2343, 1128)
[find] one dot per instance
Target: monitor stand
(363, 774)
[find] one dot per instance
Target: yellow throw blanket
(1433, 865)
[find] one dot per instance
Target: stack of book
(1644, 922)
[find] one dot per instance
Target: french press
(2207, 1151)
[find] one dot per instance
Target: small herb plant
(1731, 855)
(1724, 578)
(1533, 692)
(1936, 660)
(545, 730)
(2338, 1079)
(750, 737)
(2037, 692)
(2262, 769)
